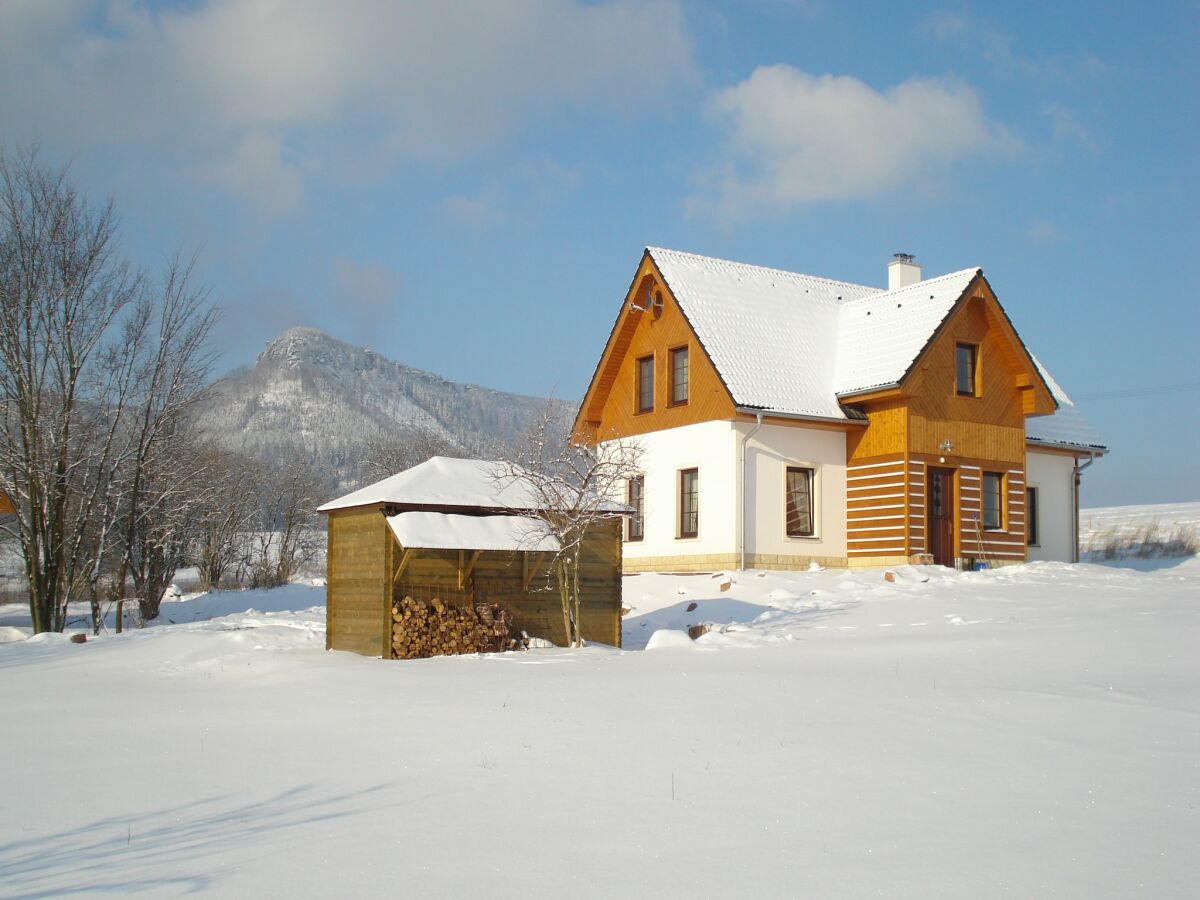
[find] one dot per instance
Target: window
(645, 384)
(635, 498)
(993, 490)
(964, 368)
(799, 502)
(689, 503)
(1031, 516)
(679, 376)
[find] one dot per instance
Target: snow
(1028, 731)
(442, 481)
(449, 531)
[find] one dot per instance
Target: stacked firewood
(443, 629)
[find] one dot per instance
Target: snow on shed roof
(451, 531)
(1067, 426)
(443, 481)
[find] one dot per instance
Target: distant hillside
(327, 400)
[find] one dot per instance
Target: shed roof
(451, 531)
(794, 344)
(443, 481)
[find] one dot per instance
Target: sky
(467, 187)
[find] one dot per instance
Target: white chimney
(903, 271)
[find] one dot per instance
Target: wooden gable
(651, 323)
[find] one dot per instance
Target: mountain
(328, 401)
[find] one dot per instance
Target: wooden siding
(363, 559)
(609, 409)
(356, 581)
(524, 584)
(886, 434)
(876, 494)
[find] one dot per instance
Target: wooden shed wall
(500, 577)
(358, 615)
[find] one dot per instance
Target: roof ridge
(971, 271)
(767, 269)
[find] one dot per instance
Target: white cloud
(999, 49)
(796, 138)
(1066, 127)
(352, 84)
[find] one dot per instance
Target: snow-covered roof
(451, 531)
(797, 344)
(880, 336)
(443, 481)
(772, 335)
(1066, 427)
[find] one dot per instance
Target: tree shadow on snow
(110, 854)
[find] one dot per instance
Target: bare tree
(227, 516)
(96, 374)
(285, 539)
(388, 455)
(62, 288)
(163, 480)
(573, 488)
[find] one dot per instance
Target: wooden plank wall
(498, 577)
(356, 581)
(876, 508)
(610, 407)
(1006, 544)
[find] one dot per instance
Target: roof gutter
(1075, 479)
(758, 416)
(895, 385)
(1091, 450)
(758, 412)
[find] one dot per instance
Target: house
(451, 530)
(787, 419)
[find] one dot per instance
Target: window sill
(802, 538)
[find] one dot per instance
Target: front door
(939, 522)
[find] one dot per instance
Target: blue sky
(467, 187)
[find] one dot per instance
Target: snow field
(1031, 731)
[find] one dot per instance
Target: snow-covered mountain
(316, 395)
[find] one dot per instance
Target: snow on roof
(1067, 426)
(443, 481)
(772, 335)
(880, 336)
(792, 343)
(451, 531)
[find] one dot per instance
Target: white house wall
(1051, 474)
(711, 449)
(768, 454)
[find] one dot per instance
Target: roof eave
(803, 417)
(1093, 449)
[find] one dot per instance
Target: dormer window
(679, 376)
(645, 384)
(965, 360)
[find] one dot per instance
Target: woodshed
(449, 534)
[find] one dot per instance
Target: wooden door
(939, 521)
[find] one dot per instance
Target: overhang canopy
(449, 531)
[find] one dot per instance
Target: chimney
(903, 271)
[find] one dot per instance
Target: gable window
(799, 501)
(965, 360)
(635, 498)
(689, 503)
(645, 384)
(679, 376)
(993, 491)
(1031, 516)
